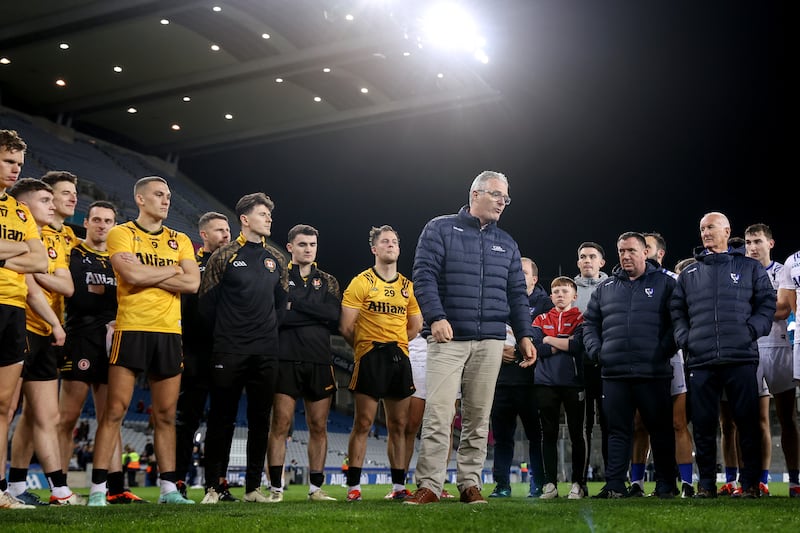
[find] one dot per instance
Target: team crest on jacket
(317, 283)
(51, 252)
(22, 216)
(404, 292)
(735, 278)
(269, 264)
(173, 244)
(84, 364)
(649, 292)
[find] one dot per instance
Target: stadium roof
(187, 76)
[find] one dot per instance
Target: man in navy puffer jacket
(468, 281)
(721, 305)
(627, 329)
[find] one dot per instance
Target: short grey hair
(485, 176)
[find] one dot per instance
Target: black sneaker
(687, 491)
(752, 492)
(181, 488)
(705, 494)
(609, 494)
(665, 491)
(635, 491)
(224, 494)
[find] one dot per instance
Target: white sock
(397, 488)
(167, 487)
(354, 487)
(17, 487)
(313, 488)
(60, 492)
(102, 488)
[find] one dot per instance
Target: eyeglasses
(497, 195)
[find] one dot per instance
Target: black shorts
(383, 372)
(311, 381)
(236, 370)
(85, 358)
(12, 334)
(157, 354)
(41, 358)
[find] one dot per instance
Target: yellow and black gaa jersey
(16, 224)
(149, 308)
(58, 245)
(384, 307)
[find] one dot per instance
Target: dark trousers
(256, 375)
(189, 412)
(652, 397)
(511, 401)
(739, 383)
(594, 404)
(550, 400)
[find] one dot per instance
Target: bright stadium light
(448, 25)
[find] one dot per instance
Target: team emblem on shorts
(84, 364)
(317, 283)
(404, 292)
(269, 264)
(173, 244)
(51, 252)
(22, 216)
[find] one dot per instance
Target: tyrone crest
(172, 243)
(269, 264)
(22, 216)
(51, 252)
(317, 283)
(404, 292)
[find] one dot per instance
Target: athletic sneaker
(7, 501)
(576, 492)
(705, 494)
(687, 491)
(403, 494)
(97, 499)
(125, 497)
(72, 499)
(737, 492)
(536, 492)
(29, 498)
(354, 495)
(764, 489)
(446, 495)
(211, 497)
(635, 491)
(258, 496)
(727, 489)
(794, 491)
(320, 496)
(501, 492)
(549, 491)
(225, 494)
(174, 497)
(609, 494)
(752, 492)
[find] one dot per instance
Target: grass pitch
(518, 513)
